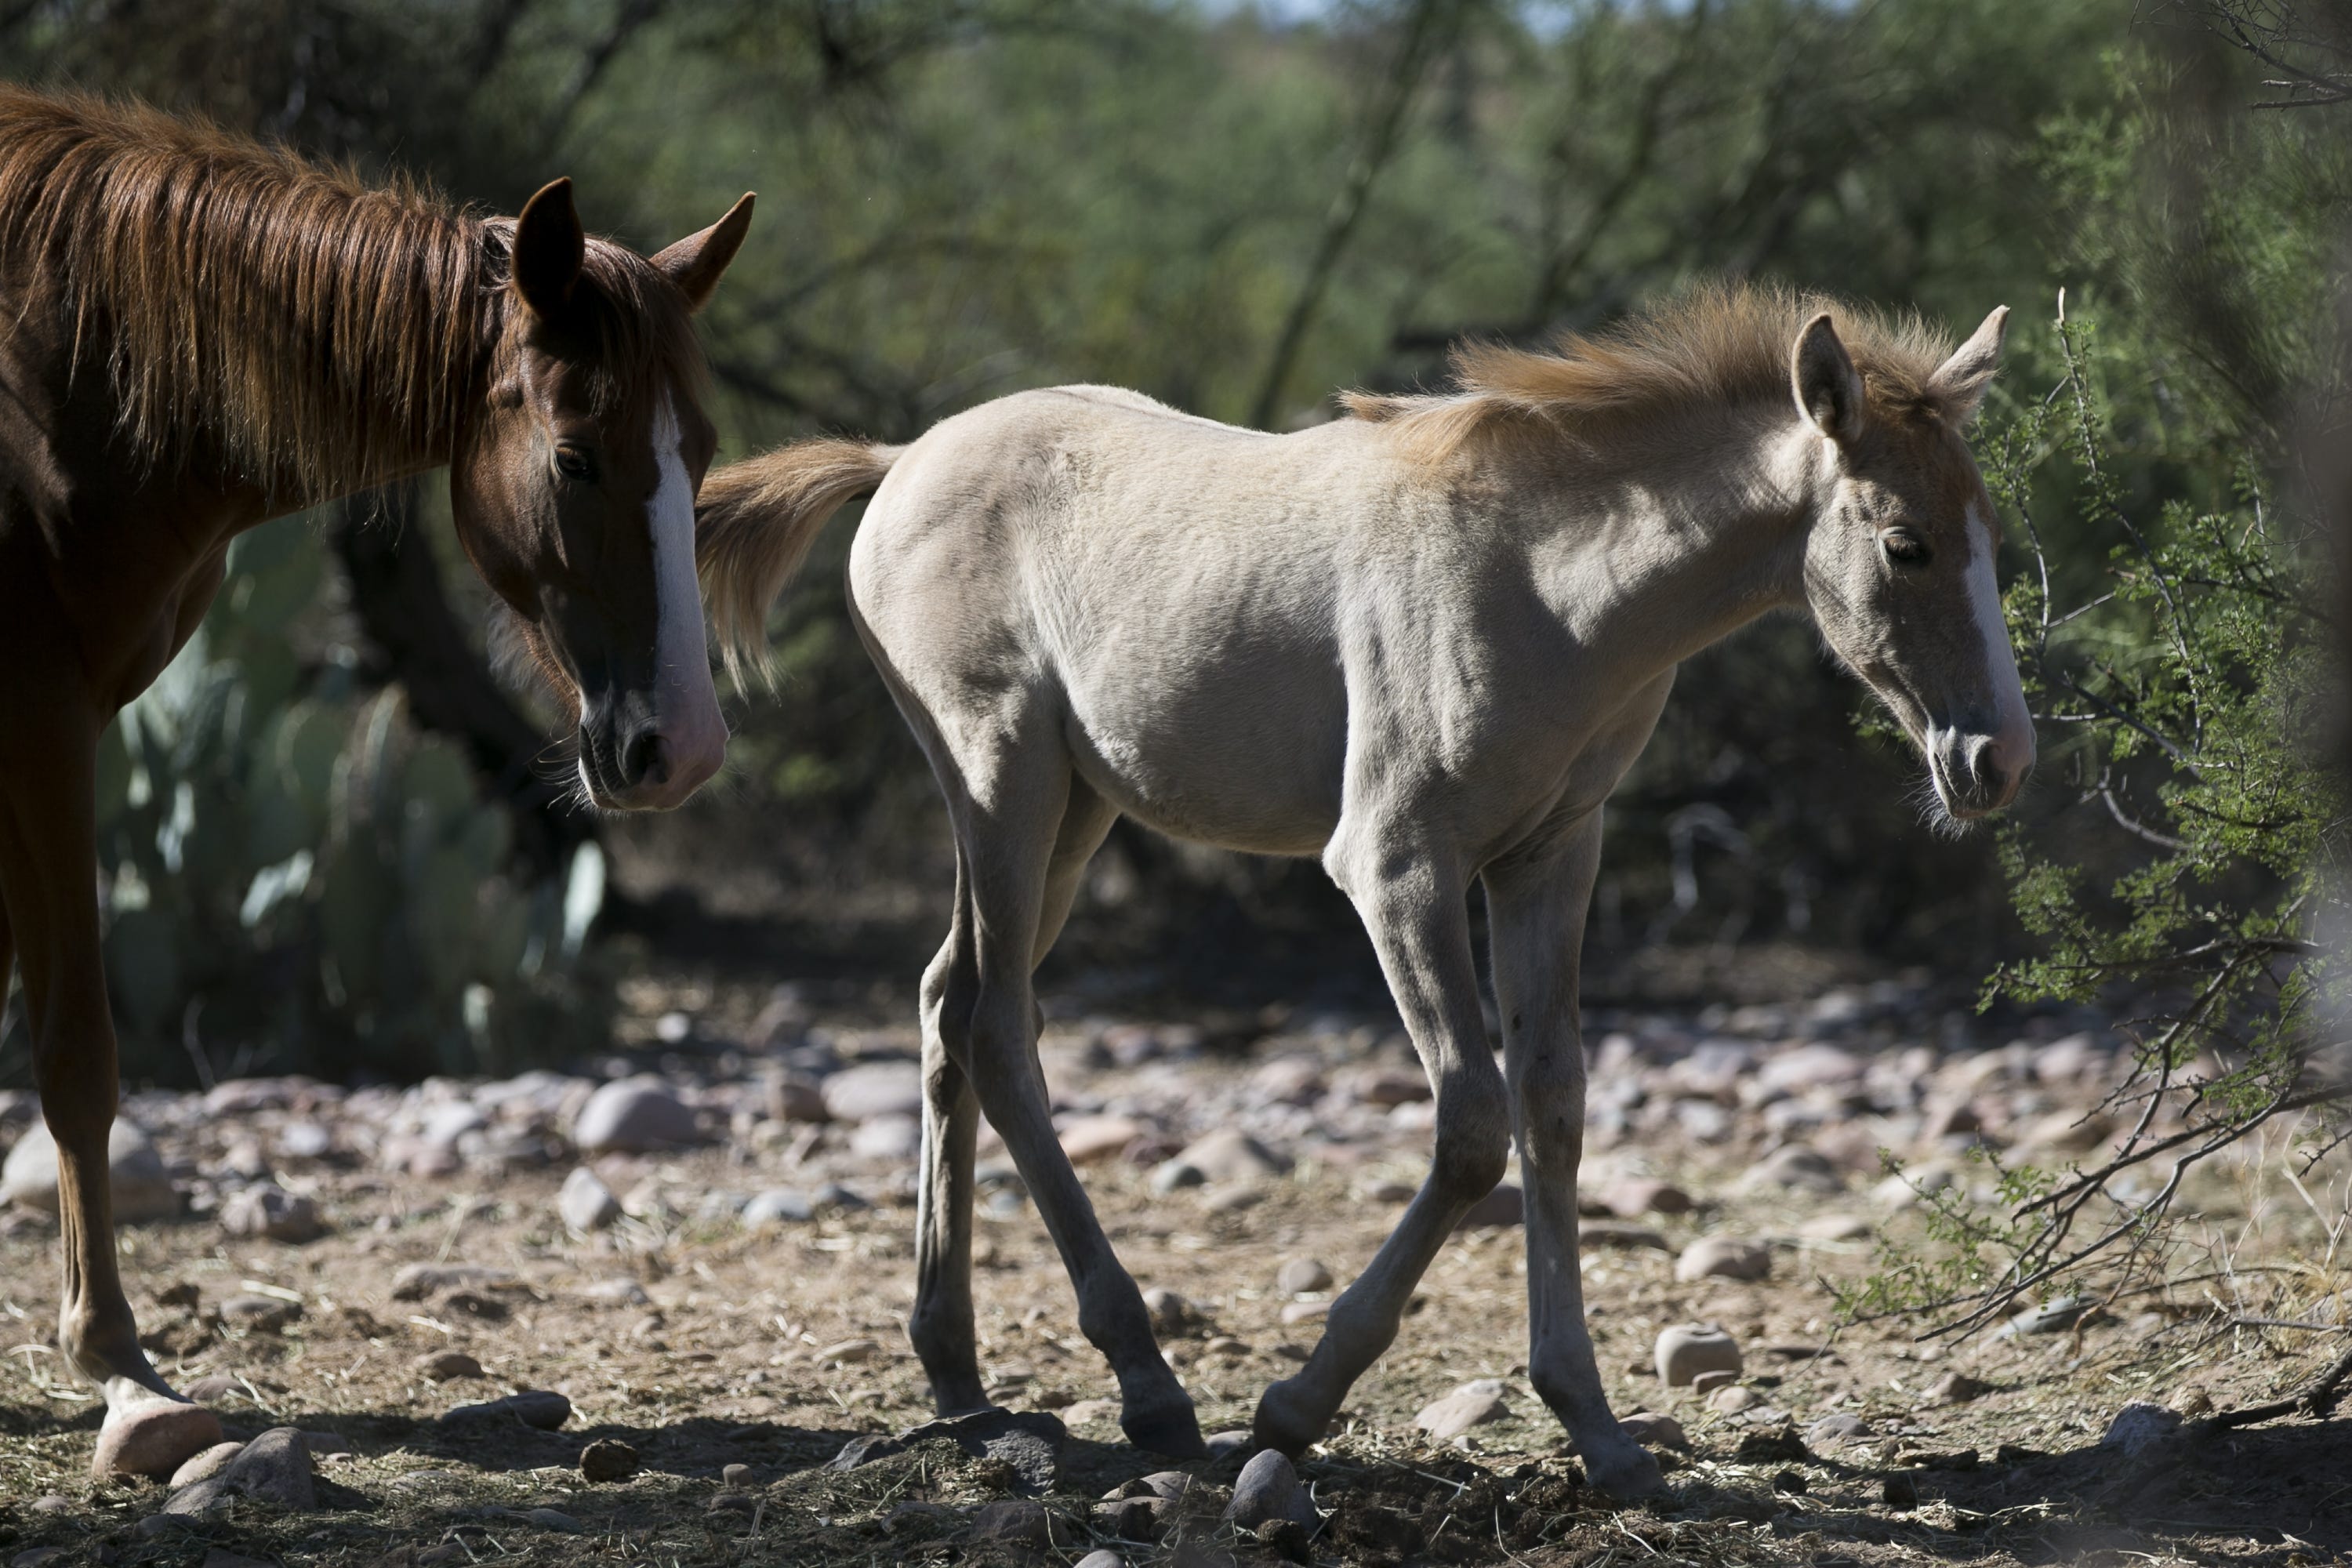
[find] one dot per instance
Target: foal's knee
(1474, 1142)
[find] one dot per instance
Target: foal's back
(1180, 600)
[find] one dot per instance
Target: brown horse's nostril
(642, 761)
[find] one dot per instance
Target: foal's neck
(1673, 539)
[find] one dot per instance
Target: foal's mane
(324, 333)
(1719, 344)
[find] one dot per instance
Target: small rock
(1618, 1234)
(1306, 1311)
(263, 1314)
(1387, 1190)
(874, 1088)
(1706, 1383)
(1794, 1167)
(2049, 1318)
(1836, 1226)
(1686, 1350)
(419, 1280)
(153, 1439)
(1300, 1275)
(736, 1477)
(1723, 1257)
(2139, 1426)
(1102, 1557)
(585, 1203)
(205, 1466)
(1732, 1398)
(1472, 1405)
(1090, 1140)
(37, 1557)
(1227, 1444)
(50, 1502)
(273, 1468)
(1658, 1431)
(1639, 1196)
(1955, 1388)
(1389, 1085)
(216, 1387)
(1832, 1430)
(1268, 1488)
(634, 1116)
(608, 1459)
(141, 1188)
(849, 1353)
(779, 1205)
(893, 1138)
(448, 1366)
(793, 1097)
(552, 1519)
(1169, 1313)
(616, 1291)
(1505, 1207)
(538, 1408)
(1227, 1154)
(268, 1210)
(1018, 1522)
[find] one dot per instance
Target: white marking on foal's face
(2000, 658)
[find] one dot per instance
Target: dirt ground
(704, 1344)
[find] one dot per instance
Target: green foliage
(2186, 673)
(294, 879)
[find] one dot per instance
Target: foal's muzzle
(1975, 771)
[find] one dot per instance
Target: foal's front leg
(1412, 903)
(1535, 912)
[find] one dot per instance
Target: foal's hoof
(152, 1439)
(1279, 1423)
(1170, 1429)
(1626, 1474)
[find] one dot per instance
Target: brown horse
(199, 333)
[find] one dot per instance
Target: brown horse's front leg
(48, 851)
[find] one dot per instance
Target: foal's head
(1899, 564)
(574, 489)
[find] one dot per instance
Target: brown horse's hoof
(152, 1439)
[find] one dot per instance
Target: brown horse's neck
(275, 327)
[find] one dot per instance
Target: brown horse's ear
(1828, 390)
(549, 246)
(695, 262)
(1960, 383)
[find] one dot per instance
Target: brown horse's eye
(575, 464)
(1904, 547)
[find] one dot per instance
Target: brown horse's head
(573, 490)
(1899, 564)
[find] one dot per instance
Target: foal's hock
(1422, 643)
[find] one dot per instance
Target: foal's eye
(575, 464)
(1904, 547)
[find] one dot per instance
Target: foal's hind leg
(941, 1325)
(1008, 802)
(1412, 901)
(1535, 911)
(47, 852)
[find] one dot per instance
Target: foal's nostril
(642, 761)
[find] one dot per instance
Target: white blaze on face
(686, 704)
(2014, 723)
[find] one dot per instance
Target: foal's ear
(695, 262)
(1827, 389)
(549, 246)
(1960, 383)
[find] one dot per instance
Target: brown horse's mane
(1717, 343)
(322, 333)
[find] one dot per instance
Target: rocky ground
(637, 1312)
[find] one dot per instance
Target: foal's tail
(754, 523)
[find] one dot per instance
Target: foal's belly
(1253, 763)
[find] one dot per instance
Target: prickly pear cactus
(294, 877)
